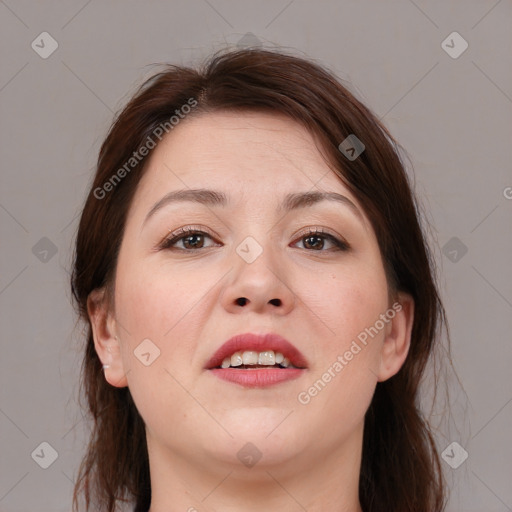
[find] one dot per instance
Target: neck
(324, 480)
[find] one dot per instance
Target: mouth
(255, 351)
(253, 360)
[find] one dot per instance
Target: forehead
(249, 154)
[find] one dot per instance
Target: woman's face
(177, 303)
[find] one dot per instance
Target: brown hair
(400, 468)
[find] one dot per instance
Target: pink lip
(257, 377)
(258, 343)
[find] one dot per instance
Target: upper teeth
(251, 357)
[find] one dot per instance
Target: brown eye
(315, 240)
(191, 240)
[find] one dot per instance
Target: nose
(259, 286)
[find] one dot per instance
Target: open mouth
(253, 360)
(255, 366)
(257, 354)
(257, 361)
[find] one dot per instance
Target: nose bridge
(259, 280)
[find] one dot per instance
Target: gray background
(453, 116)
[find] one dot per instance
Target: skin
(186, 304)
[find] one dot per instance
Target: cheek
(151, 300)
(343, 377)
(156, 307)
(168, 306)
(347, 300)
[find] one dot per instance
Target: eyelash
(168, 242)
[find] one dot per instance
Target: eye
(316, 238)
(192, 238)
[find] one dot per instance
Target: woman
(259, 297)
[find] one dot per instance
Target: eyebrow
(210, 197)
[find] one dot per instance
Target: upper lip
(258, 343)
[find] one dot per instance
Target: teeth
(236, 359)
(268, 358)
(251, 357)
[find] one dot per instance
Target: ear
(398, 337)
(106, 341)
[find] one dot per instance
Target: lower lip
(257, 378)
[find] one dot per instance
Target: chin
(263, 433)
(251, 456)
(261, 423)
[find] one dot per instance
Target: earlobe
(398, 337)
(106, 341)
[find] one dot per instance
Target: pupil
(187, 239)
(313, 238)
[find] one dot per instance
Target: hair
(400, 466)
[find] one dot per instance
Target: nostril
(242, 301)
